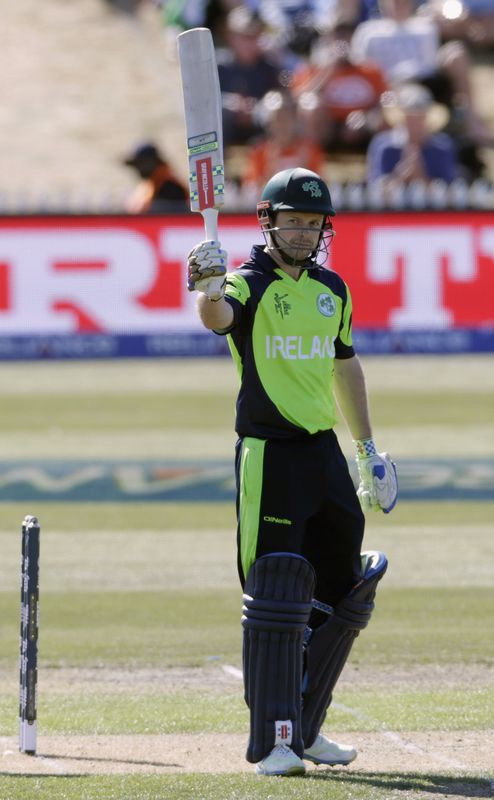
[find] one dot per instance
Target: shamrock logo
(326, 305)
(312, 187)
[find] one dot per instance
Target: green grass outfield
(140, 603)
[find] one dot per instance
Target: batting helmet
(296, 189)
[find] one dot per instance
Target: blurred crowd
(386, 83)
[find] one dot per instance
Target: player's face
(297, 233)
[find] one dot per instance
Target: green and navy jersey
(284, 339)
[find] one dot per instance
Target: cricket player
(308, 590)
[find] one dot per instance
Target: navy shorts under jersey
(296, 495)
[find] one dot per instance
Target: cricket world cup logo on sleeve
(283, 731)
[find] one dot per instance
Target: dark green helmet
(296, 190)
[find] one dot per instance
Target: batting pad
(330, 644)
(277, 605)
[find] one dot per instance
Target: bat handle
(210, 216)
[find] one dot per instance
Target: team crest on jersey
(312, 187)
(326, 305)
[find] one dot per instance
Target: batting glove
(206, 264)
(378, 489)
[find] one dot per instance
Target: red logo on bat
(205, 186)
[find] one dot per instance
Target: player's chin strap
(317, 258)
(270, 231)
(277, 243)
(328, 646)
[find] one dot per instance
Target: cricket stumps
(29, 635)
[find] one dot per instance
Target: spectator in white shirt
(407, 47)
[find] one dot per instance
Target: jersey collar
(261, 259)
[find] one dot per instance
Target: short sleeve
(237, 295)
(343, 343)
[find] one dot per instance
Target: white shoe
(324, 751)
(281, 761)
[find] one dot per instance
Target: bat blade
(203, 124)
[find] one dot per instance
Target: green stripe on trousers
(251, 480)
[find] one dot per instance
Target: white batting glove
(378, 489)
(206, 264)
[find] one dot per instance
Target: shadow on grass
(38, 775)
(361, 785)
(141, 763)
(444, 785)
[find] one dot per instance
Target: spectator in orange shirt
(282, 146)
(339, 99)
(158, 189)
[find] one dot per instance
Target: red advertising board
(125, 275)
(430, 271)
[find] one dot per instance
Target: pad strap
(276, 610)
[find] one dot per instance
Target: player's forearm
(351, 395)
(214, 315)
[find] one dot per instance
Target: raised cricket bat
(204, 132)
